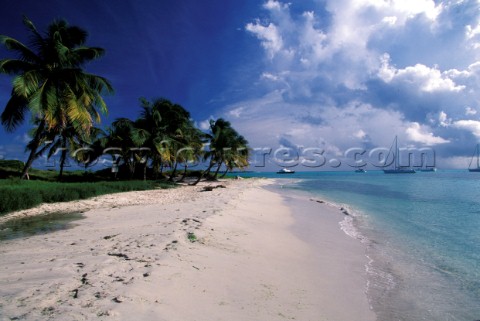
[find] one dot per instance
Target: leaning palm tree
(164, 127)
(237, 156)
(69, 142)
(87, 152)
(191, 149)
(187, 146)
(50, 83)
(150, 128)
(59, 142)
(226, 147)
(231, 148)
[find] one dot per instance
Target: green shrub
(18, 199)
(16, 194)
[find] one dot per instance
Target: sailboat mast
(478, 155)
(397, 159)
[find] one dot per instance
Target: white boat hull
(399, 171)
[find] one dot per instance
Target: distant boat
(397, 169)
(360, 170)
(433, 169)
(285, 171)
(476, 157)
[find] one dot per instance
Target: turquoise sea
(422, 233)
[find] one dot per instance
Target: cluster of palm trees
(165, 136)
(65, 103)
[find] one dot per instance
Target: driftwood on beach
(210, 188)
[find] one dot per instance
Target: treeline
(164, 136)
(66, 102)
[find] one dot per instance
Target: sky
(297, 78)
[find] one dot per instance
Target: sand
(256, 254)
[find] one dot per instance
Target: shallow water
(423, 237)
(38, 224)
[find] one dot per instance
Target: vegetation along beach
(240, 160)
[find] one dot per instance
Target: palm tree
(226, 147)
(191, 149)
(87, 152)
(150, 128)
(231, 149)
(123, 140)
(50, 83)
(166, 128)
(70, 142)
(237, 156)
(61, 140)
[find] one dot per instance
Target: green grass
(44, 187)
(191, 237)
(16, 194)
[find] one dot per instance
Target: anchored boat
(397, 169)
(476, 158)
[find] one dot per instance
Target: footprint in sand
(190, 223)
(171, 246)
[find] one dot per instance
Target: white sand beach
(256, 255)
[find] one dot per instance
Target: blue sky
(326, 74)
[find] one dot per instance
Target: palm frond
(30, 26)
(76, 36)
(98, 83)
(26, 84)
(82, 55)
(77, 114)
(14, 66)
(62, 52)
(24, 53)
(14, 112)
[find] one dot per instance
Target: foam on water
(346, 225)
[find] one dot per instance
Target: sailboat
(476, 155)
(397, 169)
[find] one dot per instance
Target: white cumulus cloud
(269, 35)
(470, 111)
(420, 134)
(347, 72)
(419, 76)
(473, 126)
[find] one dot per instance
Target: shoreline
(256, 255)
(329, 230)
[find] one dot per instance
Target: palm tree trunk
(131, 167)
(155, 167)
(184, 173)
(63, 158)
(216, 172)
(203, 174)
(174, 171)
(145, 172)
(115, 167)
(224, 173)
(33, 151)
